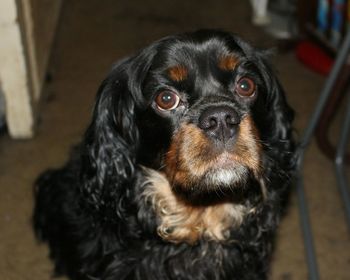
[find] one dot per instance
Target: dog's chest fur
(181, 222)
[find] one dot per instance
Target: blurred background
(54, 54)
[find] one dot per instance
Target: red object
(314, 57)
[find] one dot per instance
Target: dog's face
(195, 127)
(198, 124)
(202, 108)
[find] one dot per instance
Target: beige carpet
(93, 34)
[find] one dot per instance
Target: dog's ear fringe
(279, 114)
(111, 141)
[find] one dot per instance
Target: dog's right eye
(167, 100)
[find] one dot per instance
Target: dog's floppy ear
(278, 114)
(111, 141)
(275, 105)
(276, 125)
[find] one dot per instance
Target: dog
(183, 173)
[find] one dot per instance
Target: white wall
(27, 29)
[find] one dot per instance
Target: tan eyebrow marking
(228, 62)
(178, 73)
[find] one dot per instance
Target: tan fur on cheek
(189, 156)
(181, 222)
(248, 148)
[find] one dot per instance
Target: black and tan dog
(182, 172)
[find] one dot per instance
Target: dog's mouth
(194, 164)
(225, 170)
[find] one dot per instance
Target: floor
(91, 36)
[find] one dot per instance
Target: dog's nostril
(229, 120)
(213, 122)
(232, 120)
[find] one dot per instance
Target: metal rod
(339, 163)
(303, 207)
(306, 230)
(339, 63)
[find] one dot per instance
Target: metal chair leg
(303, 208)
(339, 163)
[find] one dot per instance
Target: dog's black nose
(219, 122)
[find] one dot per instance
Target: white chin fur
(226, 176)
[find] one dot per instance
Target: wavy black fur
(90, 212)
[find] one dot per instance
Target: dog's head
(202, 108)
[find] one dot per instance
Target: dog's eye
(245, 87)
(167, 100)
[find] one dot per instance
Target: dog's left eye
(245, 87)
(167, 100)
